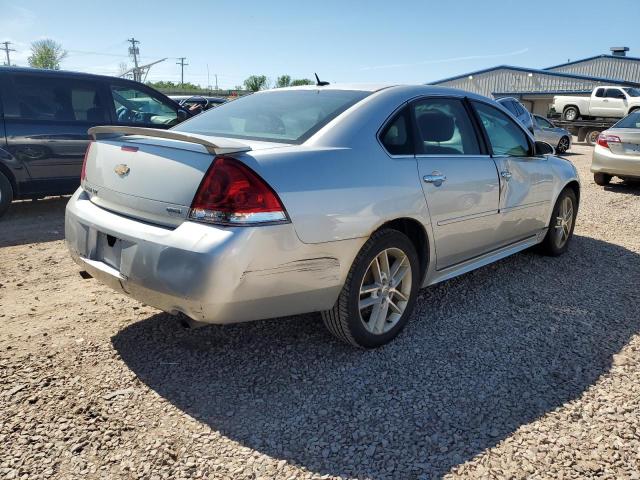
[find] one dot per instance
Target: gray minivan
(44, 118)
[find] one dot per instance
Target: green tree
(46, 53)
(301, 81)
(283, 81)
(255, 83)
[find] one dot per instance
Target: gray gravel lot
(528, 368)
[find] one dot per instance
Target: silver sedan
(545, 131)
(617, 151)
(339, 199)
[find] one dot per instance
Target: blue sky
(344, 41)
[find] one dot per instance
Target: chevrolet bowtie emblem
(122, 170)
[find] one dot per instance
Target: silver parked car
(339, 199)
(545, 131)
(617, 152)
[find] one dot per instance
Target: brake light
(83, 172)
(232, 194)
(605, 140)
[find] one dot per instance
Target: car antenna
(320, 83)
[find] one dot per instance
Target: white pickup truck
(604, 102)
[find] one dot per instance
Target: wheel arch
(633, 109)
(12, 179)
(571, 105)
(575, 186)
(416, 232)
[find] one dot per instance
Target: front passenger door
(459, 180)
(525, 182)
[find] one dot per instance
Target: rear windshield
(630, 121)
(290, 116)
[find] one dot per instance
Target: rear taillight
(232, 194)
(83, 172)
(605, 140)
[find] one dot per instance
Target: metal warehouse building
(535, 88)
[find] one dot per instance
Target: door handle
(436, 178)
(506, 174)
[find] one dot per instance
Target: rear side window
(508, 104)
(505, 136)
(55, 99)
(396, 136)
(444, 128)
(600, 92)
(289, 116)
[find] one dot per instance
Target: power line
(6, 51)
(182, 65)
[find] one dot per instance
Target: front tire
(563, 145)
(6, 194)
(563, 221)
(379, 293)
(601, 179)
(570, 114)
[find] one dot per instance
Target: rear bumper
(604, 161)
(211, 274)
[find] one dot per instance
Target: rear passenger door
(459, 180)
(525, 181)
(46, 121)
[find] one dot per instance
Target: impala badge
(122, 170)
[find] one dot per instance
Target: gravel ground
(525, 368)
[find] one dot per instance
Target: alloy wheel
(564, 222)
(385, 290)
(563, 145)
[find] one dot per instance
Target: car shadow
(29, 221)
(628, 187)
(482, 355)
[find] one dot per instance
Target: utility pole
(134, 52)
(216, 75)
(182, 65)
(6, 51)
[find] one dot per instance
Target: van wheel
(601, 179)
(570, 114)
(379, 293)
(563, 220)
(6, 194)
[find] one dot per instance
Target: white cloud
(446, 60)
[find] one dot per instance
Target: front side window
(505, 136)
(138, 106)
(396, 136)
(290, 116)
(444, 128)
(614, 93)
(630, 121)
(543, 122)
(55, 99)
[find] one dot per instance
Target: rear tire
(563, 221)
(601, 179)
(592, 137)
(6, 194)
(378, 296)
(570, 114)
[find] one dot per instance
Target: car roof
(60, 73)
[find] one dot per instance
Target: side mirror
(543, 148)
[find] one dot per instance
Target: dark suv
(44, 118)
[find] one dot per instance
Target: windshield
(290, 116)
(630, 121)
(632, 92)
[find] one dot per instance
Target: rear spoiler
(220, 147)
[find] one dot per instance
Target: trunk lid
(152, 177)
(630, 141)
